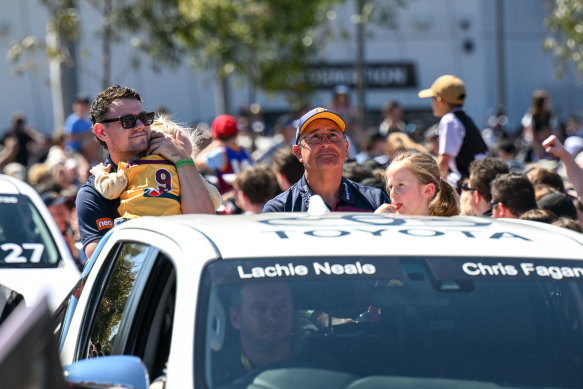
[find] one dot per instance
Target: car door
(130, 309)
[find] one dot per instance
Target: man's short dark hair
(539, 215)
(544, 177)
(103, 100)
(356, 172)
(258, 183)
(515, 191)
(567, 222)
(287, 163)
(482, 173)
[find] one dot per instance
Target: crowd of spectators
(533, 172)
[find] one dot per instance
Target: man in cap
(224, 156)
(460, 141)
(561, 204)
(322, 148)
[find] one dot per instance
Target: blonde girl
(415, 188)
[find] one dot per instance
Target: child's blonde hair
(164, 123)
(445, 201)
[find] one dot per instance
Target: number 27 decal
(14, 252)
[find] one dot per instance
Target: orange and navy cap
(318, 113)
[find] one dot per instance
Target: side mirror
(105, 372)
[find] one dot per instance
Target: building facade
(495, 46)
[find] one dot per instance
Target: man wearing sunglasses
(512, 195)
(482, 173)
(322, 148)
(122, 126)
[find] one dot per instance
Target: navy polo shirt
(353, 197)
(95, 213)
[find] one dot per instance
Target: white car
(343, 300)
(34, 259)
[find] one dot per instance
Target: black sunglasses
(466, 187)
(129, 121)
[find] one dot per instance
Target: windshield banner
(507, 269)
(304, 269)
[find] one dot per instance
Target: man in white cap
(460, 141)
(322, 148)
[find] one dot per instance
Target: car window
(150, 331)
(25, 240)
(63, 315)
(117, 292)
(392, 321)
(136, 311)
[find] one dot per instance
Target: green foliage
(63, 22)
(381, 12)
(270, 42)
(565, 35)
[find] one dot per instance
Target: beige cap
(449, 88)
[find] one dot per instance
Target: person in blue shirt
(321, 146)
(77, 125)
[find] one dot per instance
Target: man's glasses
(318, 137)
(494, 204)
(129, 121)
(467, 188)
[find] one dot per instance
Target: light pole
(500, 59)
(360, 82)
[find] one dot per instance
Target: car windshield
(25, 240)
(391, 322)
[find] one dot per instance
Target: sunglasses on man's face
(129, 121)
(494, 204)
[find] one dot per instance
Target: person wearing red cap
(321, 146)
(224, 156)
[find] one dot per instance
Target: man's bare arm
(443, 163)
(90, 248)
(194, 197)
(554, 146)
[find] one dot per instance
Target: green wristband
(184, 162)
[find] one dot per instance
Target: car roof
(364, 234)
(11, 185)
(14, 277)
